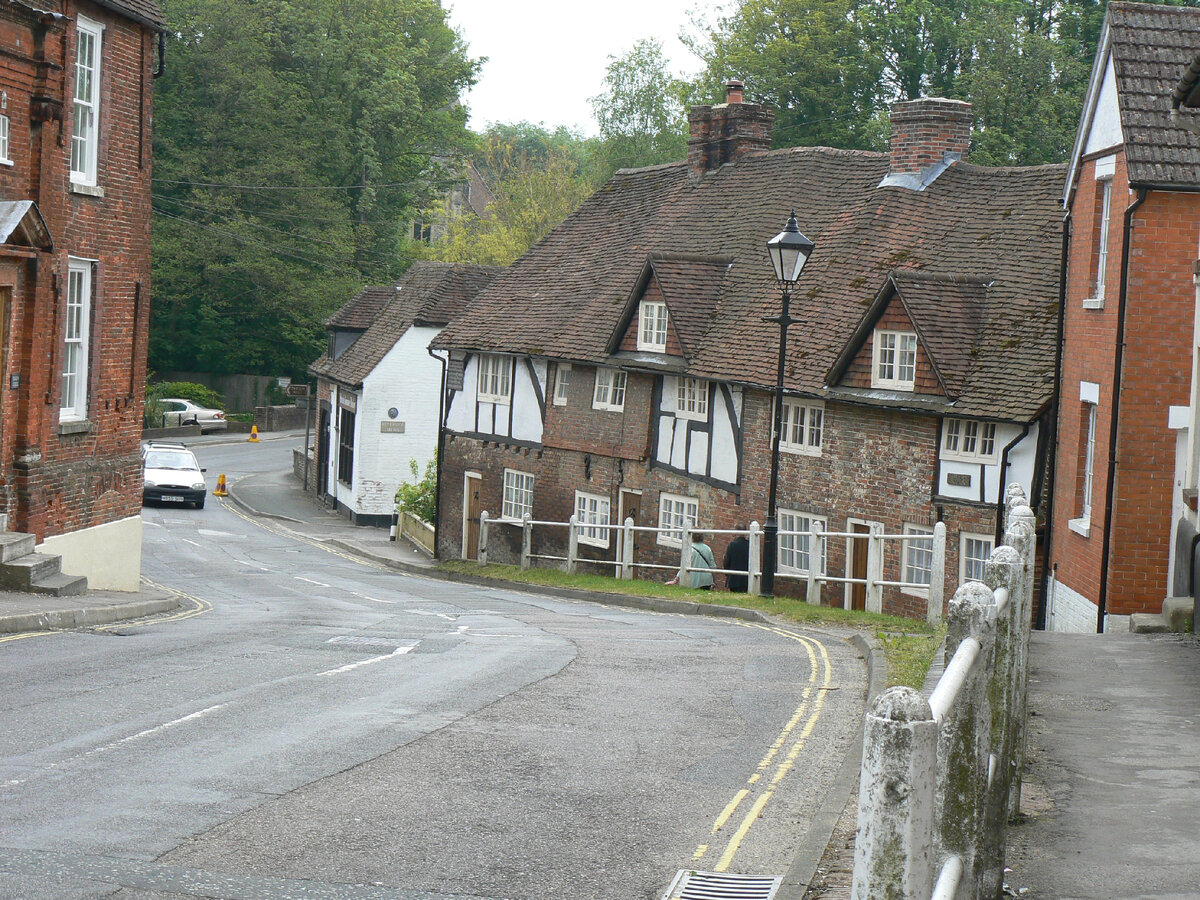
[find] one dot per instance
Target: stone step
(15, 544)
(61, 585)
(1176, 617)
(22, 573)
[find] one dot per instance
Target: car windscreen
(170, 459)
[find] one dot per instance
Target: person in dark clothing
(737, 557)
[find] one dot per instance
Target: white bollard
(526, 540)
(754, 574)
(572, 545)
(627, 534)
(482, 555)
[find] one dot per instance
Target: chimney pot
(733, 91)
(728, 131)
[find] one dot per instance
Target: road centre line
(399, 651)
(310, 581)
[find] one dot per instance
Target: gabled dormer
(348, 324)
(918, 336)
(669, 307)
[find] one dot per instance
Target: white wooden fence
(625, 566)
(941, 777)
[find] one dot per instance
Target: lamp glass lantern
(789, 251)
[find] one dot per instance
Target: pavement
(1111, 798)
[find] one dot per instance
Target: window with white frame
(895, 360)
(918, 560)
(798, 543)
(692, 399)
(1105, 204)
(1087, 461)
(969, 440)
(85, 133)
(652, 330)
(592, 510)
(610, 390)
(5, 158)
(495, 378)
(518, 495)
(801, 426)
(76, 341)
(973, 553)
(562, 383)
(674, 514)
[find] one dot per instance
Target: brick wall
(924, 130)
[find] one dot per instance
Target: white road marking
(209, 533)
(191, 717)
(186, 541)
(425, 612)
(399, 651)
(310, 581)
(372, 599)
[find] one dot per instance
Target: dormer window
(894, 362)
(652, 328)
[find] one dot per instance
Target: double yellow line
(797, 730)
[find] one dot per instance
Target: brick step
(15, 544)
(61, 585)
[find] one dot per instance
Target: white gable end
(1105, 131)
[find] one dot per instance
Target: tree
(640, 113)
(289, 155)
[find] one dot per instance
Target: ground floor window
(797, 545)
(345, 446)
(674, 514)
(592, 510)
(918, 559)
(973, 556)
(518, 494)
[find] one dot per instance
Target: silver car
(176, 411)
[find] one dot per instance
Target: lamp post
(789, 252)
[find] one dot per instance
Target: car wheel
(200, 503)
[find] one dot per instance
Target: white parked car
(185, 412)
(170, 474)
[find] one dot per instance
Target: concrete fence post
(481, 556)
(572, 545)
(937, 581)
(874, 601)
(812, 593)
(627, 534)
(964, 745)
(754, 575)
(685, 556)
(526, 540)
(893, 848)
(1022, 537)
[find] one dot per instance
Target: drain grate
(692, 885)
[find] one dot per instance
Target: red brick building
(76, 88)
(1127, 350)
(622, 367)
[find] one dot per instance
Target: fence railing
(942, 777)
(626, 567)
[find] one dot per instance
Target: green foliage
(419, 497)
(293, 141)
(186, 390)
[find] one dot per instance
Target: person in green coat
(701, 565)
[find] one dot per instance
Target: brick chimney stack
(924, 130)
(728, 131)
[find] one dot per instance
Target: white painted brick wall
(1069, 611)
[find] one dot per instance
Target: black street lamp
(789, 251)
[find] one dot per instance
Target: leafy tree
(293, 138)
(640, 113)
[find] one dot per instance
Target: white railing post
(894, 844)
(572, 545)
(874, 601)
(754, 572)
(627, 533)
(481, 555)
(1021, 535)
(526, 540)
(812, 593)
(937, 583)
(685, 556)
(964, 744)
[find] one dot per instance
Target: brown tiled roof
(565, 297)
(691, 289)
(1152, 47)
(362, 309)
(948, 314)
(145, 11)
(428, 294)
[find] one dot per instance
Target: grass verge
(909, 645)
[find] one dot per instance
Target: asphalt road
(311, 725)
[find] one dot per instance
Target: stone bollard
(964, 742)
(627, 534)
(526, 540)
(572, 545)
(893, 849)
(754, 576)
(482, 555)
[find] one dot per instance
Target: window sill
(601, 545)
(75, 426)
(1082, 527)
(969, 460)
(615, 409)
(495, 401)
(1093, 303)
(87, 190)
(923, 593)
(799, 451)
(7, 162)
(906, 386)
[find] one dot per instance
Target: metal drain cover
(692, 885)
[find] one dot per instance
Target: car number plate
(169, 499)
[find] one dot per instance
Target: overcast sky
(547, 57)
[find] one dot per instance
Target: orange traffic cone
(220, 490)
(253, 434)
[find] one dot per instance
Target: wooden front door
(628, 507)
(472, 507)
(858, 565)
(323, 454)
